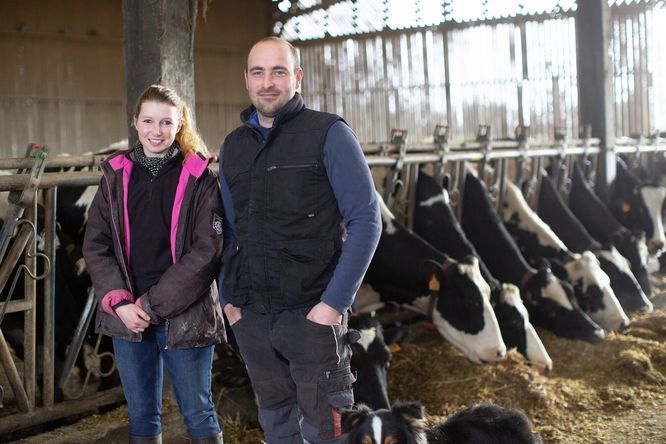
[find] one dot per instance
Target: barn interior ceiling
(414, 64)
(320, 19)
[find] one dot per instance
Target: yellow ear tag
(626, 207)
(433, 284)
(395, 348)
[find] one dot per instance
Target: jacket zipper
(166, 323)
(290, 167)
(166, 335)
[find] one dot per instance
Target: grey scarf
(155, 164)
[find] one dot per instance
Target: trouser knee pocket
(334, 393)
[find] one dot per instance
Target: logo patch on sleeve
(217, 223)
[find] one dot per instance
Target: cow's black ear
(446, 181)
(352, 418)
(411, 412)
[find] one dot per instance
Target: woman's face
(157, 126)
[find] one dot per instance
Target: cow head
(461, 311)
(550, 303)
(629, 293)
(637, 205)
(517, 331)
(534, 237)
(370, 359)
(409, 271)
(404, 423)
(594, 293)
(632, 246)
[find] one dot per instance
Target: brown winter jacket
(186, 295)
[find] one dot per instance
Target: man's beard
(272, 109)
(268, 111)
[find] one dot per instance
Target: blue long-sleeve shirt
(354, 190)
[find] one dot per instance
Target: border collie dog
(405, 424)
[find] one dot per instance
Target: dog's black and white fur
(405, 424)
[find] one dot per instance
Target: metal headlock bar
(377, 155)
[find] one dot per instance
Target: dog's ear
(412, 413)
(352, 418)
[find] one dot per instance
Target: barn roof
(318, 19)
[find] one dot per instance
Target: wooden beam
(595, 87)
(20, 421)
(159, 40)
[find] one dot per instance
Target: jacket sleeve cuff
(144, 305)
(114, 297)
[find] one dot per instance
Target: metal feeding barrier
(397, 158)
(18, 237)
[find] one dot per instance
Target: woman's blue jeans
(141, 371)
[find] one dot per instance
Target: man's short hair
(294, 52)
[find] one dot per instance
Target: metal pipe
(9, 262)
(88, 160)
(16, 182)
(30, 316)
(50, 205)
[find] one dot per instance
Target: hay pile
(579, 401)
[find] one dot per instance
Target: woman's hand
(134, 318)
(233, 314)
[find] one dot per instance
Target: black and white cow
(637, 205)
(602, 225)
(371, 355)
(548, 300)
(74, 201)
(435, 222)
(537, 240)
(408, 271)
(553, 211)
(405, 423)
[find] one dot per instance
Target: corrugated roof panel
(340, 20)
(363, 16)
(401, 14)
(305, 4)
(466, 10)
(432, 12)
(369, 16)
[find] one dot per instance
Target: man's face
(270, 78)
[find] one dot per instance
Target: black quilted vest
(288, 229)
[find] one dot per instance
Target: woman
(153, 244)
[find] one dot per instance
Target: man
(302, 223)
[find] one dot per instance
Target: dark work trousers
(300, 373)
